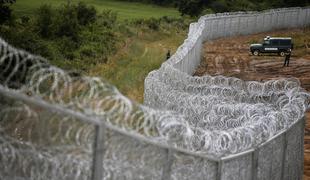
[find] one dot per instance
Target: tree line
(70, 31)
(197, 7)
(74, 33)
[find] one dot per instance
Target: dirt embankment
(231, 57)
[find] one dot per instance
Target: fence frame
(170, 151)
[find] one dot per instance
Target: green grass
(128, 68)
(138, 53)
(125, 10)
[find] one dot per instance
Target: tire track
(231, 57)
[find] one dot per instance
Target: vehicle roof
(284, 38)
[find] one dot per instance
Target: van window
(285, 42)
(267, 42)
(275, 42)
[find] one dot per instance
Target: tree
(66, 22)
(86, 14)
(191, 7)
(295, 3)
(5, 11)
(44, 20)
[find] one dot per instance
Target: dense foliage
(75, 35)
(71, 31)
(196, 7)
(5, 10)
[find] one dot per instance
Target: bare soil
(231, 57)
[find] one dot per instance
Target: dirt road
(231, 57)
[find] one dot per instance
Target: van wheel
(256, 52)
(282, 53)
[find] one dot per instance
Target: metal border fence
(187, 56)
(279, 158)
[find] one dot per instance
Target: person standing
(287, 58)
(168, 55)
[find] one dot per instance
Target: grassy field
(141, 54)
(125, 10)
(129, 66)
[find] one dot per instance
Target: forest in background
(198, 7)
(79, 37)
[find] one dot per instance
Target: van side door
(274, 46)
(285, 45)
(270, 46)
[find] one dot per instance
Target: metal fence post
(224, 27)
(298, 17)
(307, 15)
(284, 154)
(217, 27)
(254, 164)
(292, 22)
(256, 15)
(99, 151)
(231, 29)
(302, 142)
(168, 165)
(219, 170)
(238, 26)
(277, 20)
(264, 21)
(270, 21)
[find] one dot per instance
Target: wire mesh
(202, 119)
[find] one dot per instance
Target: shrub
(26, 39)
(107, 19)
(86, 14)
(72, 31)
(25, 19)
(219, 7)
(5, 10)
(153, 23)
(67, 47)
(191, 7)
(66, 23)
(44, 21)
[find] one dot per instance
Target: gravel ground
(231, 57)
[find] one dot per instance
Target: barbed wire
(213, 115)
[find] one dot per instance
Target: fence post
(285, 22)
(98, 153)
(168, 165)
(256, 15)
(238, 26)
(302, 141)
(217, 27)
(211, 29)
(43, 130)
(224, 27)
(278, 19)
(264, 21)
(298, 17)
(248, 28)
(284, 154)
(292, 22)
(270, 21)
(219, 170)
(231, 27)
(254, 164)
(307, 15)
